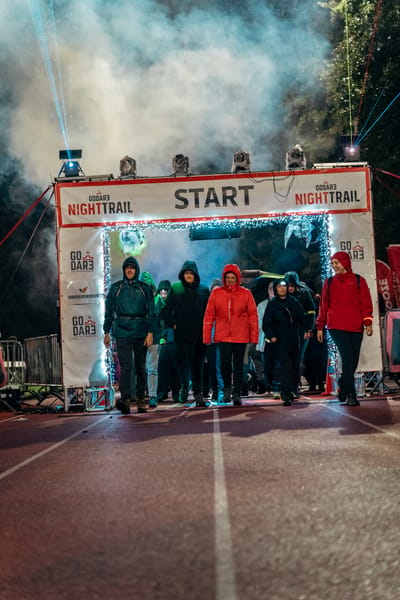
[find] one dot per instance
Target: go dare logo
(83, 326)
(355, 250)
(80, 262)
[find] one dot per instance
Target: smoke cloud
(152, 79)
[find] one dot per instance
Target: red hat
(344, 259)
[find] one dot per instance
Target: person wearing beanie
(231, 314)
(302, 293)
(184, 312)
(129, 314)
(346, 311)
(164, 286)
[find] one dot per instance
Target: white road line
(225, 569)
(49, 449)
(367, 423)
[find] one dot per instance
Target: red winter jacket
(345, 303)
(233, 311)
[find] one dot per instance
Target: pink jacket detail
(233, 311)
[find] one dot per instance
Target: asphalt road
(258, 502)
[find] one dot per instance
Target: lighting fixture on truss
(70, 167)
(127, 167)
(180, 165)
(241, 162)
(295, 159)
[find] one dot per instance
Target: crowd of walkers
(175, 339)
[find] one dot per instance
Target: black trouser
(190, 360)
(288, 360)
(232, 355)
(125, 348)
(168, 376)
(348, 344)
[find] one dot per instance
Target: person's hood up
(165, 284)
(147, 278)
(292, 277)
(215, 283)
(131, 260)
(231, 269)
(344, 259)
(276, 283)
(189, 265)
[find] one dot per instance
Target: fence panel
(43, 360)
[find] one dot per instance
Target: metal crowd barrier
(43, 360)
(14, 362)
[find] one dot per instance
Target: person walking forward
(233, 311)
(184, 312)
(129, 314)
(346, 311)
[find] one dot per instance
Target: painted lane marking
(225, 569)
(27, 461)
(363, 422)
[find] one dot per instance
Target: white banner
(353, 233)
(82, 348)
(343, 193)
(209, 197)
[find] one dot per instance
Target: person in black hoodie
(184, 312)
(283, 320)
(303, 294)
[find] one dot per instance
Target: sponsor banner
(393, 253)
(213, 197)
(82, 348)
(81, 252)
(385, 285)
(82, 291)
(353, 233)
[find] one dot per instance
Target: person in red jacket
(346, 311)
(233, 311)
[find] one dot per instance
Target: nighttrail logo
(99, 204)
(81, 262)
(82, 327)
(327, 193)
(201, 197)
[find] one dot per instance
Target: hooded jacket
(304, 296)
(346, 302)
(233, 311)
(283, 319)
(185, 306)
(129, 309)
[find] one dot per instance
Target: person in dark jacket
(303, 294)
(184, 312)
(283, 320)
(168, 376)
(129, 314)
(232, 311)
(346, 311)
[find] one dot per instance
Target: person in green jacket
(130, 315)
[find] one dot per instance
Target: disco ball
(133, 241)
